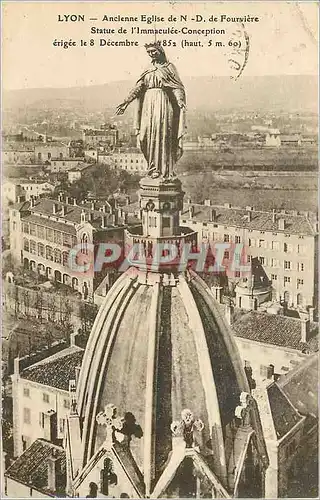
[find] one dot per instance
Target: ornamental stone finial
(242, 411)
(187, 428)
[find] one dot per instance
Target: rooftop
(301, 386)
(55, 371)
(31, 468)
(285, 417)
(238, 217)
(44, 207)
(275, 330)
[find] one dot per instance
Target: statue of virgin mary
(160, 116)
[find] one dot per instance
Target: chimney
(274, 216)
(127, 200)
(21, 199)
(191, 212)
(55, 208)
(75, 202)
(227, 205)
(250, 209)
(54, 470)
(281, 224)
(207, 203)
(16, 366)
(229, 313)
(104, 223)
(60, 197)
(213, 215)
(64, 211)
(83, 216)
(249, 215)
(217, 293)
(305, 330)
(67, 200)
(113, 219)
(32, 201)
(77, 370)
(90, 216)
(311, 314)
(50, 425)
(93, 206)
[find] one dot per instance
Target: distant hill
(277, 93)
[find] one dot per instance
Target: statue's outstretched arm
(135, 92)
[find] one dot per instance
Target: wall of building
(277, 251)
(258, 354)
(30, 398)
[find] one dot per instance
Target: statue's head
(187, 417)
(156, 52)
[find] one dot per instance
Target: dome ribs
(208, 379)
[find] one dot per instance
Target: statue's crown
(153, 44)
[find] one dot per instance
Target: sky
(283, 42)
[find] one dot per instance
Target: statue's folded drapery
(159, 120)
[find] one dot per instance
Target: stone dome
(159, 345)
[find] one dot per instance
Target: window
(249, 242)
(41, 232)
(45, 398)
(33, 247)
(238, 239)
(299, 282)
(262, 260)
(237, 274)
(41, 420)
(248, 258)
(274, 277)
(274, 262)
(285, 247)
(26, 415)
(49, 253)
(287, 279)
(49, 234)
(226, 254)
(152, 221)
(40, 249)
(261, 243)
(166, 222)
(57, 256)
(66, 403)
(275, 245)
(287, 264)
(61, 425)
(300, 266)
(33, 230)
(26, 392)
(226, 238)
(26, 245)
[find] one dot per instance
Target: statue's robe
(159, 120)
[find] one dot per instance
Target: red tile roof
(31, 468)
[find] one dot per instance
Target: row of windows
(45, 397)
(131, 161)
(46, 233)
(287, 280)
(47, 252)
(271, 245)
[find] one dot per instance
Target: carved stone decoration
(114, 424)
(242, 412)
(73, 399)
(188, 428)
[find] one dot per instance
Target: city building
(40, 394)
(272, 345)
(290, 140)
(289, 419)
(18, 152)
(43, 232)
(39, 472)
(62, 164)
(49, 150)
(273, 138)
(285, 244)
(13, 189)
(75, 173)
(106, 135)
(131, 160)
